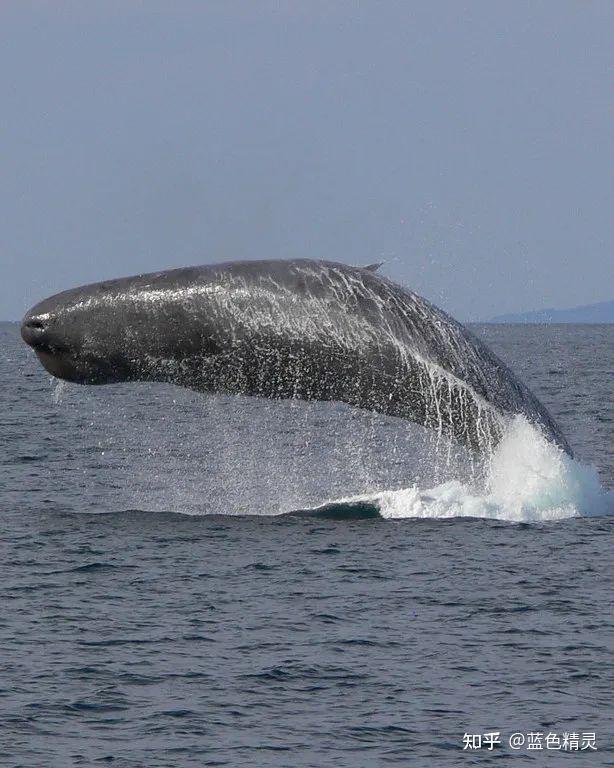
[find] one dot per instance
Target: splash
(527, 478)
(59, 390)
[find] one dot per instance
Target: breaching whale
(311, 330)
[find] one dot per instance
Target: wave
(526, 479)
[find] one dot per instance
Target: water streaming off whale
(242, 456)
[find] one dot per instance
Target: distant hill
(591, 313)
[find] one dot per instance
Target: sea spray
(526, 478)
(530, 477)
(59, 389)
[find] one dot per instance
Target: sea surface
(160, 609)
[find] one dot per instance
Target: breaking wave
(526, 479)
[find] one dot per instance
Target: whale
(288, 329)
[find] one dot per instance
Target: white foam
(527, 479)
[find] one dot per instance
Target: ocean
(163, 609)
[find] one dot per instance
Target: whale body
(311, 330)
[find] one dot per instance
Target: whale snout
(79, 340)
(35, 331)
(43, 332)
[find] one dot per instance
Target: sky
(469, 144)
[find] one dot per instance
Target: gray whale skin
(311, 330)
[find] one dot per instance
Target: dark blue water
(188, 626)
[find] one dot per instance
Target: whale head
(143, 328)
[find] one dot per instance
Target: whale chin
(60, 365)
(69, 366)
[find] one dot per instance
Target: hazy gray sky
(468, 143)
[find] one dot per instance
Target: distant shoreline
(601, 313)
(537, 322)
